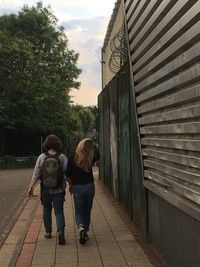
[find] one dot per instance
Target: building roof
(111, 23)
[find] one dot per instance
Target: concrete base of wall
(173, 233)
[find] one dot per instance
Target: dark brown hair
(52, 142)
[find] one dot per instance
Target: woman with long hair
(81, 184)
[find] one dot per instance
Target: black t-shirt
(77, 175)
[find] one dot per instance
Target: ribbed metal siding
(165, 55)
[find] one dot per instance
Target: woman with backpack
(81, 184)
(49, 170)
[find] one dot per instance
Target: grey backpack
(52, 175)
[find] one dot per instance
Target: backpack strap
(58, 154)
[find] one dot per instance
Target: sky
(85, 23)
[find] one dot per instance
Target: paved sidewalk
(110, 244)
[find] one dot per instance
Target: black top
(77, 175)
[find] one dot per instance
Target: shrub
(8, 162)
(12, 162)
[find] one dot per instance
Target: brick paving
(111, 241)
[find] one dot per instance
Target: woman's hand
(30, 191)
(31, 188)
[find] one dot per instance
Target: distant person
(94, 139)
(81, 184)
(97, 146)
(49, 170)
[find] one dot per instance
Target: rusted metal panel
(113, 93)
(100, 135)
(124, 172)
(106, 139)
(120, 166)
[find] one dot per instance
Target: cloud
(85, 96)
(76, 8)
(7, 10)
(86, 38)
(87, 35)
(69, 12)
(85, 9)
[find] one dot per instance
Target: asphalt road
(13, 196)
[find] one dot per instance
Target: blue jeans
(56, 201)
(83, 198)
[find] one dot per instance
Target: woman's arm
(68, 174)
(70, 184)
(31, 187)
(36, 175)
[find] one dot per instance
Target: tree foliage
(95, 112)
(81, 125)
(37, 71)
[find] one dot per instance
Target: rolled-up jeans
(56, 201)
(83, 199)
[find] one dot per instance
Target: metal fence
(120, 165)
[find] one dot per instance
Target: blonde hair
(84, 154)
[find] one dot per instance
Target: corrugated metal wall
(164, 42)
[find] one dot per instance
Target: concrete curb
(30, 242)
(12, 246)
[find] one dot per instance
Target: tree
(87, 119)
(37, 71)
(95, 112)
(81, 125)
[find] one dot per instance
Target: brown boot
(61, 238)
